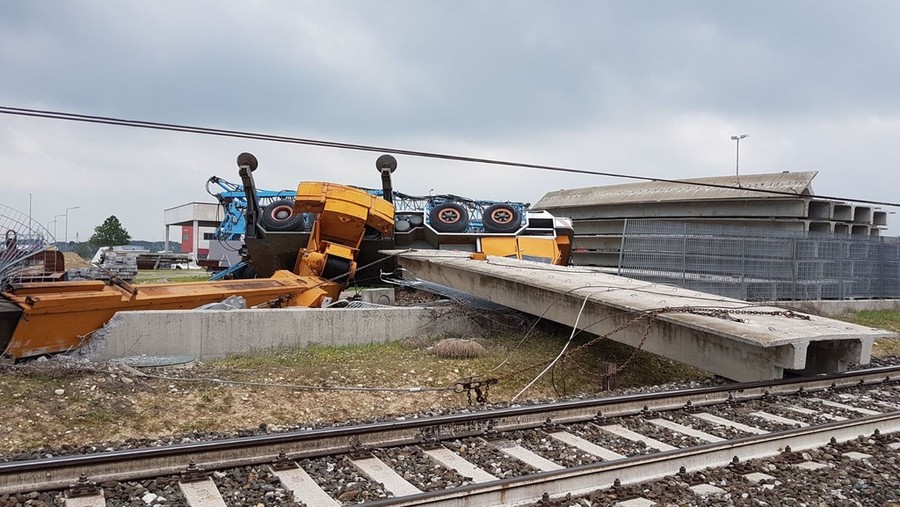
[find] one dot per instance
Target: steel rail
(62, 471)
(587, 479)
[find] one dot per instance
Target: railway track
(603, 450)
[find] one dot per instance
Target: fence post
(683, 253)
(622, 246)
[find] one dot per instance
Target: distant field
(882, 319)
(171, 275)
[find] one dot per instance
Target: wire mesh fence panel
(26, 250)
(758, 264)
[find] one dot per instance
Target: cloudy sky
(652, 88)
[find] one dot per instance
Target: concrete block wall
(211, 334)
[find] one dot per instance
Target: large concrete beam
(750, 346)
(768, 208)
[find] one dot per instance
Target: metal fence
(757, 264)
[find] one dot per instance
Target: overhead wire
(172, 127)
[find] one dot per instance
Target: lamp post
(67, 222)
(54, 226)
(737, 155)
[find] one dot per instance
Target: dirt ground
(54, 404)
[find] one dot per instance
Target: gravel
(845, 481)
(419, 470)
(540, 443)
(485, 456)
(341, 480)
(609, 441)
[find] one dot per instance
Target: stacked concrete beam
(121, 264)
(599, 214)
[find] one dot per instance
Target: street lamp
(54, 226)
(67, 222)
(737, 155)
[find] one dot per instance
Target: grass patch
(505, 358)
(882, 319)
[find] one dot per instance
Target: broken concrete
(211, 334)
(747, 343)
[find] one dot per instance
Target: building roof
(663, 191)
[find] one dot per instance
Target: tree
(110, 233)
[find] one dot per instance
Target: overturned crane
(304, 268)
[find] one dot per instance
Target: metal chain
(651, 316)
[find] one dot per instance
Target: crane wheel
(501, 218)
(449, 217)
(280, 216)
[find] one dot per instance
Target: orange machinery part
(61, 316)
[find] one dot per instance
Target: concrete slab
(202, 494)
(449, 459)
(691, 432)
(636, 502)
(811, 465)
(851, 408)
(627, 434)
(857, 455)
(526, 456)
(211, 334)
(778, 419)
(730, 424)
(86, 501)
(756, 345)
(706, 490)
(378, 471)
(304, 488)
(757, 477)
(806, 411)
(586, 446)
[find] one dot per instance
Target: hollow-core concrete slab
(743, 342)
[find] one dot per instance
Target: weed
(883, 319)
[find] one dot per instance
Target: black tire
(449, 217)
(372, 233)
(501, 218)
(402, 226)
(280, 216)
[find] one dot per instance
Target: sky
(652, 88)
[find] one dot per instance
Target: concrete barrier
(211, 334)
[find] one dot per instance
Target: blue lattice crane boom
(233, 201)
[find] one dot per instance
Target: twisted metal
(23, 241)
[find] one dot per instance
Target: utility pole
(737, 154)
(67, 222)
(54, 226)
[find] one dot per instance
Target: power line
(171, 127)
